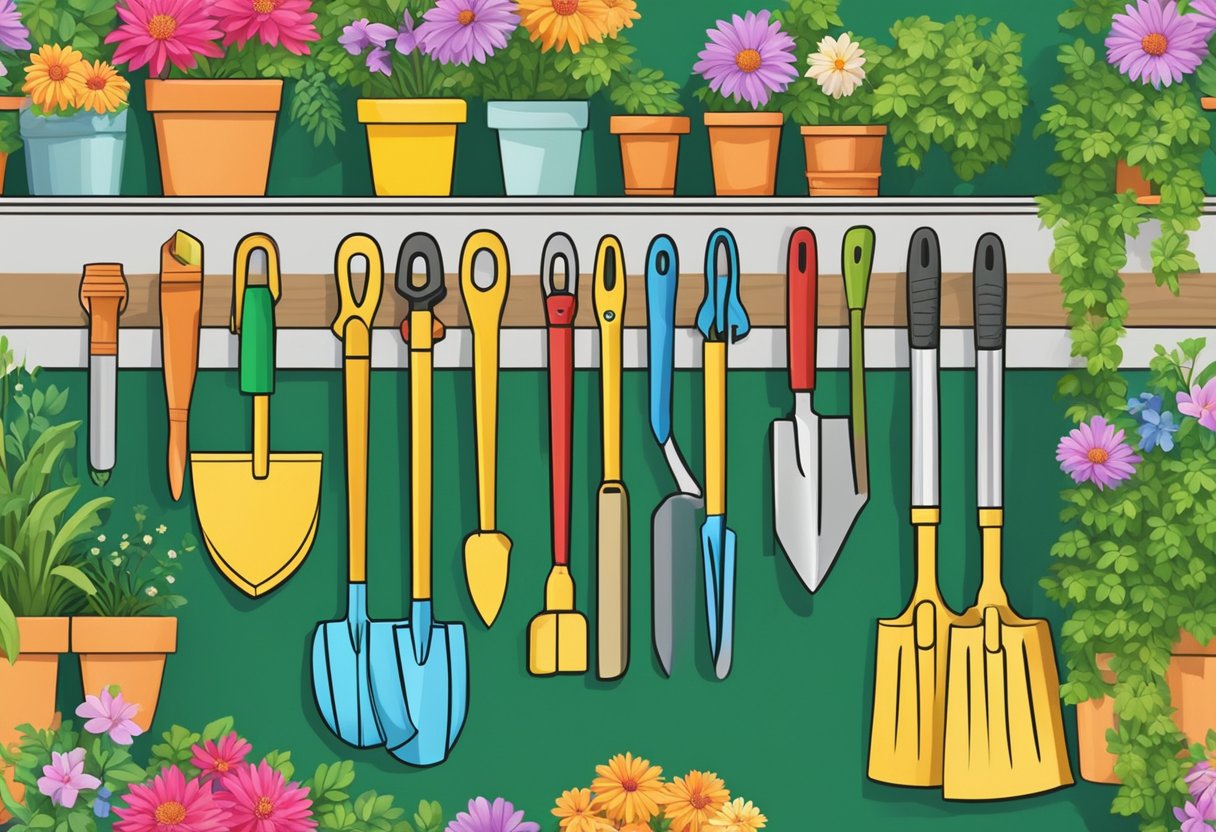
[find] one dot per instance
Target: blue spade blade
(341, 676)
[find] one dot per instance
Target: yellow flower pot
(412, 143)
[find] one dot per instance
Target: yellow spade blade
(257, 531)
(1004, 726)
(487, 558)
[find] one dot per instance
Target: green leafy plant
(135, 572)
(524, 72)
(41, 534)
(646, 92)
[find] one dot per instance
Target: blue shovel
(723, 321)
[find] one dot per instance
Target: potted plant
(128, 627)
(217, 86)
(746, 61)
(411, 71)
(650, 132)
(14, 39)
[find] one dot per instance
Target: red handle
(559, 312)
(803, 273)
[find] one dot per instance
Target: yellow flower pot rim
(412, 110)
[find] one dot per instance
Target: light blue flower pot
(76, 155)
(539, 142)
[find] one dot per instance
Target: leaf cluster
(82, 24)
(135, 572)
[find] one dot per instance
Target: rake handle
(803, 301)
(560, 310)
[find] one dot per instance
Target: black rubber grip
(426, 297)
(924, 290)
(989, 292)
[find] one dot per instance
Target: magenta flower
(258, 799)
(1200, 403)
(159, 33)
(13, 34)
(463, 31)
(107, 714)
(273, 22)
(220, 760)
(748, 58)
(483, 816)
(379, 60)
(64, 779)
(1095, 452)
(1154, 44)
(361, 34)
(407, 36)
(171, 802)
(1195, 816)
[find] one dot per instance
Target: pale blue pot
(539, 142)
(76, 155)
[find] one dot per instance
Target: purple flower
(1196, 815)
(1095, 452)
(379, 60)
(109, 714)
(1200, 403)
(1205, 16)
(463, 31)
(1201, 780)
(1156, 430)
(361, 34)
(1145, 401)
(64, 778)
(13, 34)
(1153, 44)
(486, 817)
(749, 58)
(407, 37)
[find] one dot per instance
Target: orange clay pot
(1128, 178)
(8, 104)
(1207, 103)
(127, 652)
(843, 160)
(214, 136)
(1191, 677)
(650, 150)
(27, 687)
(743, 147)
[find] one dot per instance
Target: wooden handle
(181, 303)
(103, 294)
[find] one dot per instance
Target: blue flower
(1157, 430)
(101, 805)
(1146, 401)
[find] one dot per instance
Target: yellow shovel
(258, 511)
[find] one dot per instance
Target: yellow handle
(714, 362)
(240, 273)
(356, 340)
(610, 314)
(992, 592)
(925, 520)
(261, 437)
(421, 366)
(485, 306)
(356, 374)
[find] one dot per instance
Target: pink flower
(1155, 44)
(1195, 816)
(1205, 11)
(108, 714)
(1201, 403)
(289, 22)
(222, 760)
(463, 31)
(155, 33)
(171, 804)
(64, 778)
(1201, 780)
(1095, 452)
(258, 800)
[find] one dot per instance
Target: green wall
(668, 37)
(788, 729)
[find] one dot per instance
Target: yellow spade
(258, 511)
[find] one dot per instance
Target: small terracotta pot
(743, 148)
(650, 150)
(127, 652)
(28, 687)
(1208, 103)
(214, 136)
(1128, 178)
(843, 160)
(1094, 718)
(8, 104)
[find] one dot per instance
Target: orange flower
(621, 14)
(561, 24)
(103, 90)
(628, 788)
(49, 79)
(577, 814)
(694, 800)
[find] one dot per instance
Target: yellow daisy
(561, 24)
(628, 788)
(738, 816)
(694, 800)
(621, 14)
(576, 813)
(49, 80)
(103, 90)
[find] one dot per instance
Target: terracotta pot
(843, 160)
(127, 652)
(650, 149)
(28, 687)
(214, 136)
(8, 104)
(1207, 103)
(1128, 178)
(1191, 676)
(743, 147)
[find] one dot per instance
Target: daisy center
(263, 809)
(170, 814)
(698, 801)
(162, 26)
(565, 7)
(1154, 44)
(96, 83)
(466, 17)
(838, 63)
(629, 785)
(748, 60)
(221, 766)
(1097, 455)
(57, 72)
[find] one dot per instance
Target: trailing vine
(1128, 567)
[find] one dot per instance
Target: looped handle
(989, 293)
(484, 305)
(609, 296)
(662, 270)
(559, 247)
(924, 290)
(721, 316)
(364, 310)
(259, 254)
(426, 297)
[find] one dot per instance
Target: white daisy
(172, 555)
(169, 579)
(838, 66)
(101, 538)
(124, 545)
(147, 540)
(94, 551)
(151, 591)
(162, 528)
